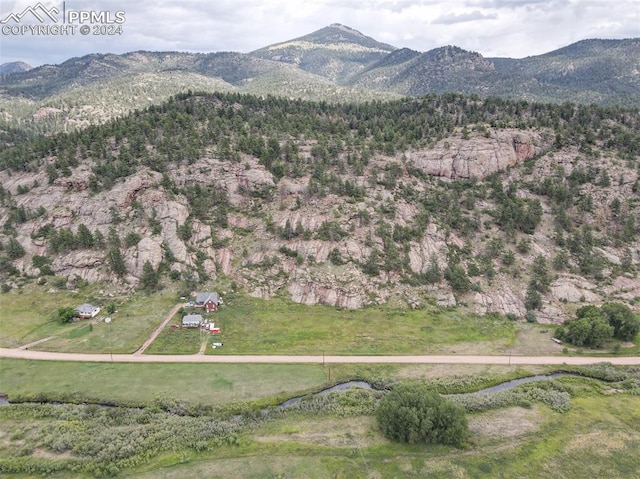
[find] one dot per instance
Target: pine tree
(116, 261)
(84, 238)
(149, 279)
(14, 249)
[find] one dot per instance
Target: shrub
(590, 328)
(336, 257)
(330, 231)
(14, 249)
(65, 314)
(457, 278)
(131, 239)
(413, 414)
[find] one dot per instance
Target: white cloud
(452, 18)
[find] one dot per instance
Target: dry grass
(601, 443)
(353, 432)
(430, 371)
(535, 339)
(503, 424)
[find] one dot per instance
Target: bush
(457, 278)
(590, 328)
(14, 249)
(413, 414)
(65, 314)
(336, 257)
(131, 239)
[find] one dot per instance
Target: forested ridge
(182, 128)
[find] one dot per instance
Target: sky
(494, 28)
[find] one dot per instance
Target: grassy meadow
(251, 325)
(529, 438)
(27, 315)
(140, 383)
(598, 436)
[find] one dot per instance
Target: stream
(4, 401)
(365, 385)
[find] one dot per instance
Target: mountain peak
(334, 52)
(347, 29)
(14, 67)
(336, 33)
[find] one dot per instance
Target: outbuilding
(192, 321)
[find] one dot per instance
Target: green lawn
(279, 326)
(26, 314)
(196, 383)
(26, 317)
(178, 341)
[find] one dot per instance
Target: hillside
(441, 70)
(591, 71)
(492, 205)
(95, 88)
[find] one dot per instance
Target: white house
(87, 310)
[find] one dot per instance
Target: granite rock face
(458, 158)
(312, 266)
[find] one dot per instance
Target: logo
(62, 21)
(17, 17)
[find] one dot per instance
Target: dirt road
(152, 338)
(319, 359)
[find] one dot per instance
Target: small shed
(192, 321)
(87, 310)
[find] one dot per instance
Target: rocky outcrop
(502, 300)
(248, 250)
(445, 299)
(573, 289)
(312, 292)
(625, 288)
(85, 264)
(148, 249)
(433, 246)
(477, 157)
